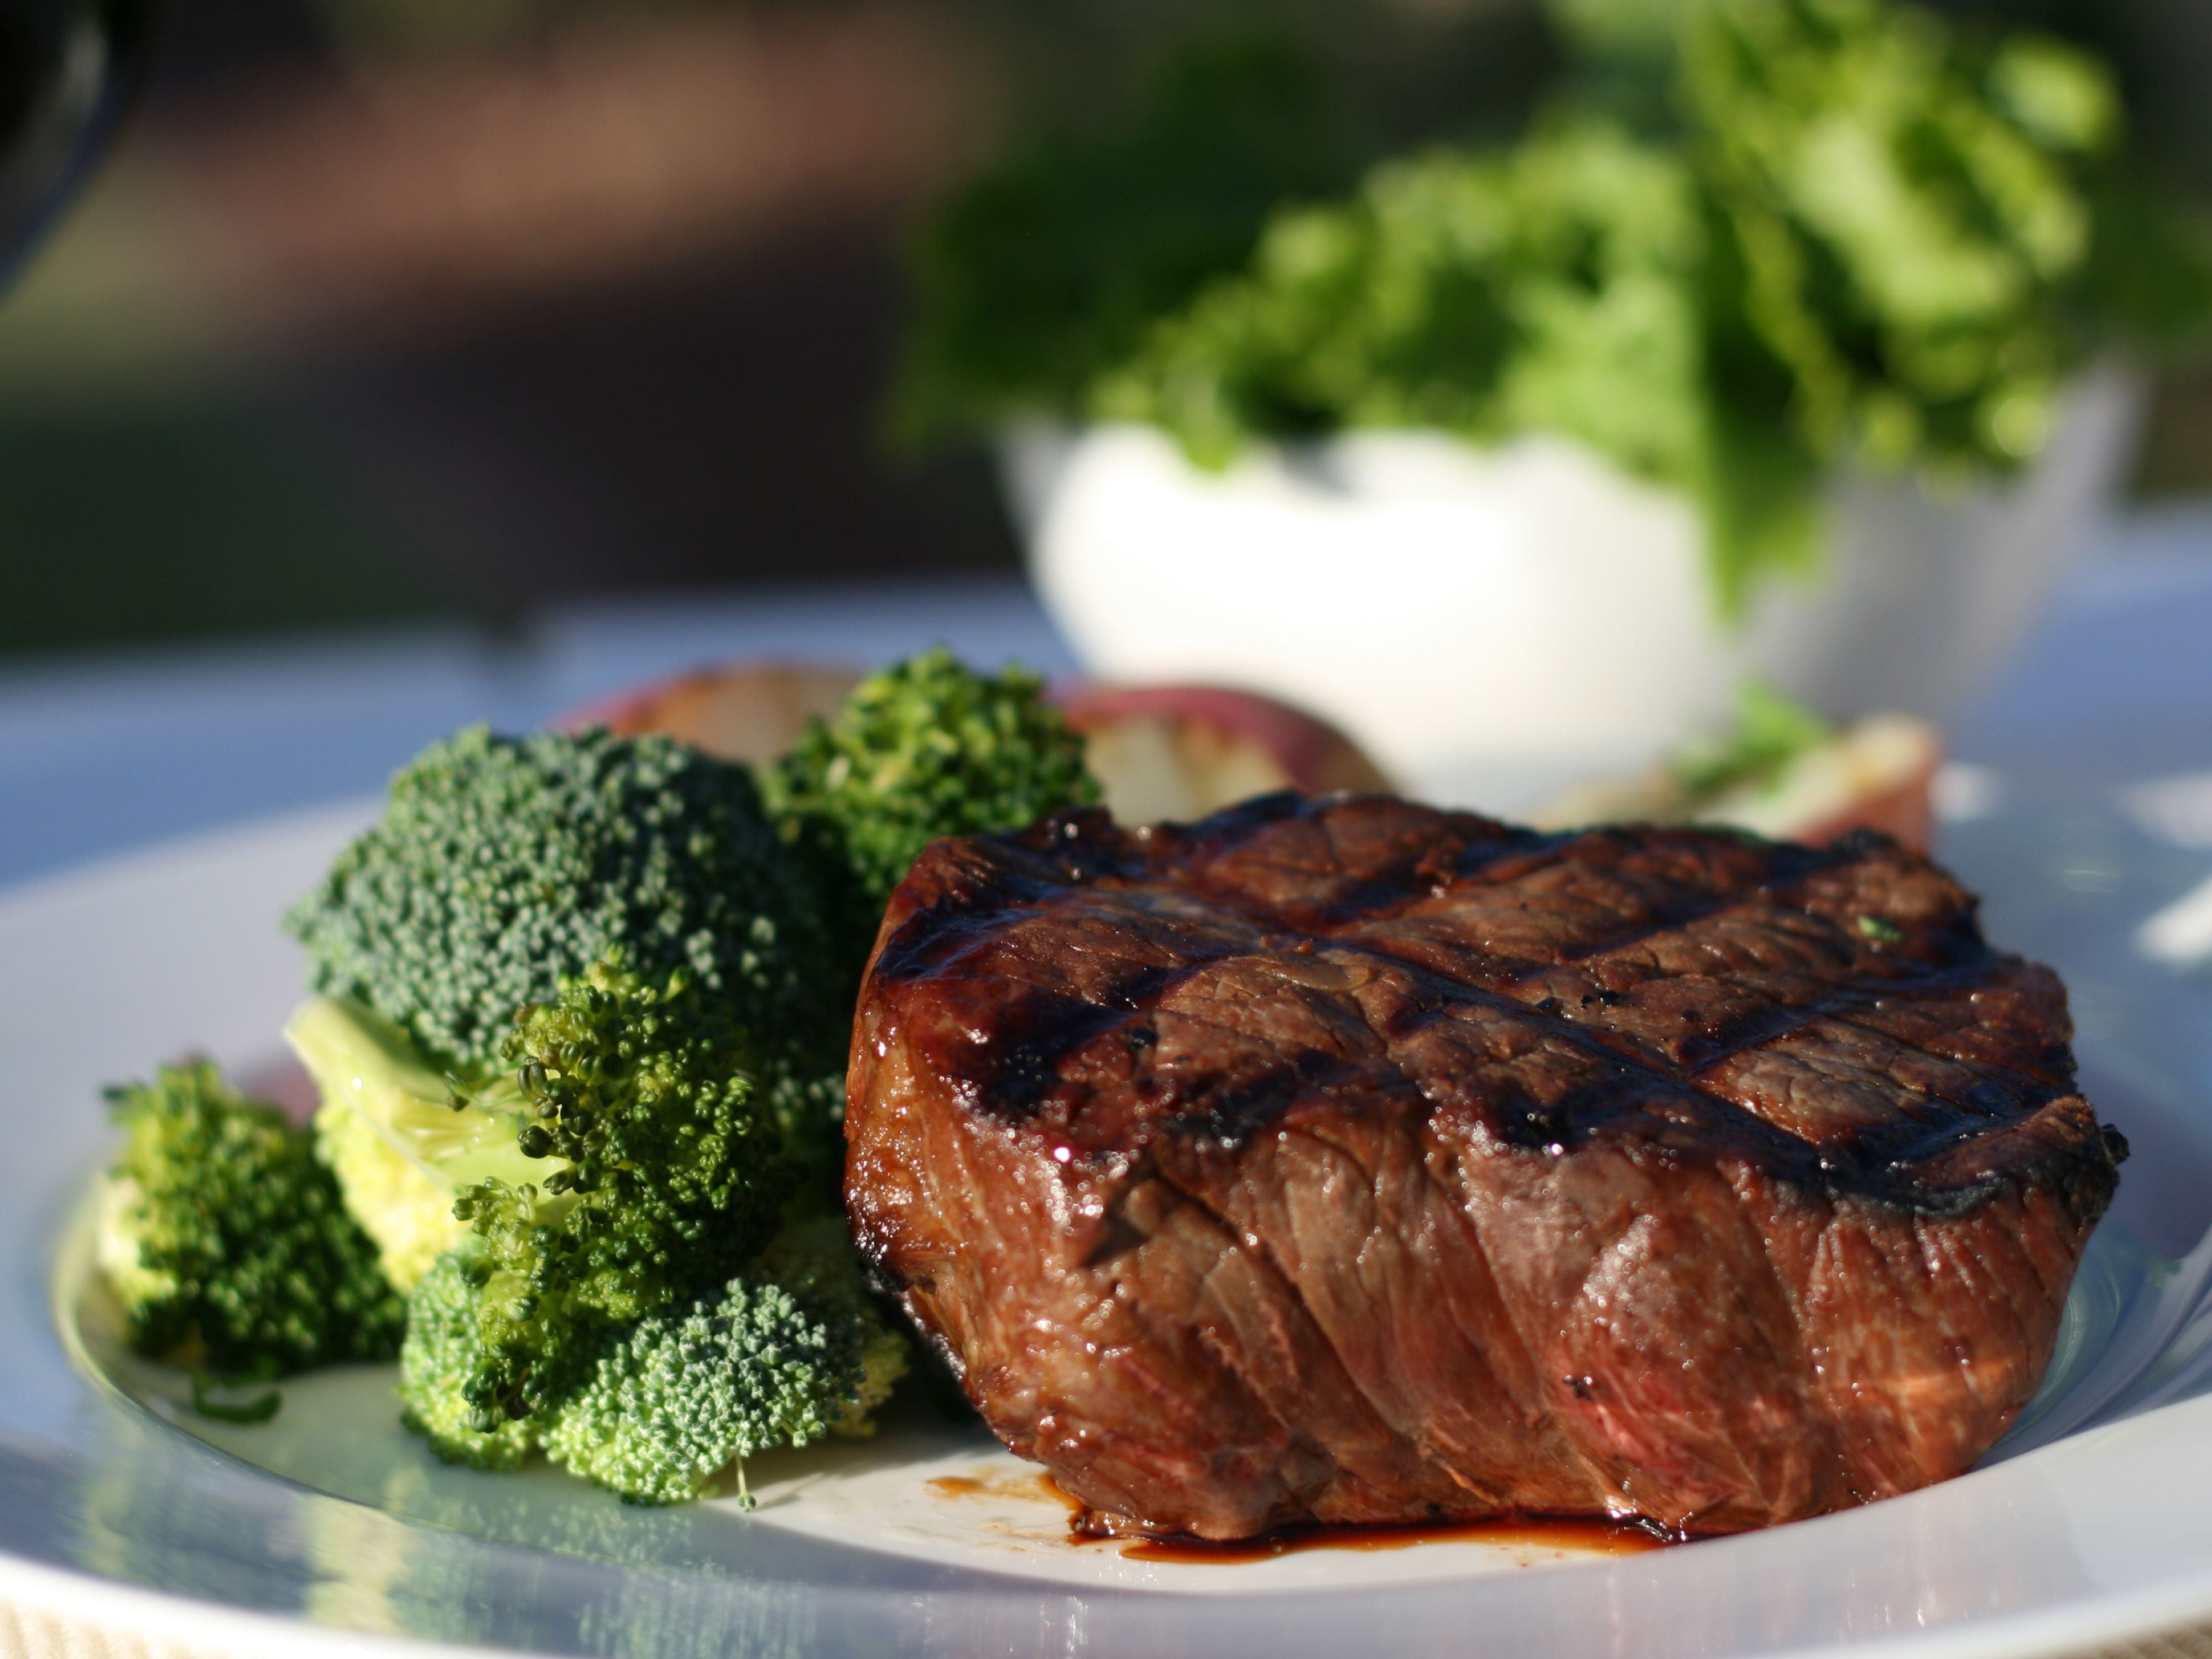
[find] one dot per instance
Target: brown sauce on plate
(1580, 1534)
(1024, 1485)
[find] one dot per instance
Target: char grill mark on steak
(1351, 1161)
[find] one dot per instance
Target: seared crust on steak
(1347, 1160)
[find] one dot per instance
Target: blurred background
(461, 310)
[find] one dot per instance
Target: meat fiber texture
(1350, 1161)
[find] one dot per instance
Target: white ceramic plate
(2091, 1523)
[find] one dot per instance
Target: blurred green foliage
(1547, 287)
(1769, 730)
(1050, 270)
(1747, 240)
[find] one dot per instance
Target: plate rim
(2100, 1621)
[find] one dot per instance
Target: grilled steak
(1351, 1161)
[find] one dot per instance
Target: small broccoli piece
(886, 1357)
(402, 1137)
(815, 1259)
(655, 1408)
(679, 1396)
(503, 866)
(408, 1214)
(228, 1243)
(665, 1172)
(439, 1357)
(927, 748)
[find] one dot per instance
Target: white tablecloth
(105, 755)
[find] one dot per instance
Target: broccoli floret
(408, 1214)
(927, 748)
(441, 1355)
(663, 1173)
(656, 1408)
(678, 1397)
(815, 1259)
(620, 1311)
(580, 1009)
(228, 1243)
(503, 866)
(402, 1139)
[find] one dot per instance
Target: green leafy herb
(1547, 289)
(1769, 733)
(1047, 271)
(1835, 233)
(1903, 209)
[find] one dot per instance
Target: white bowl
(1492, 623)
